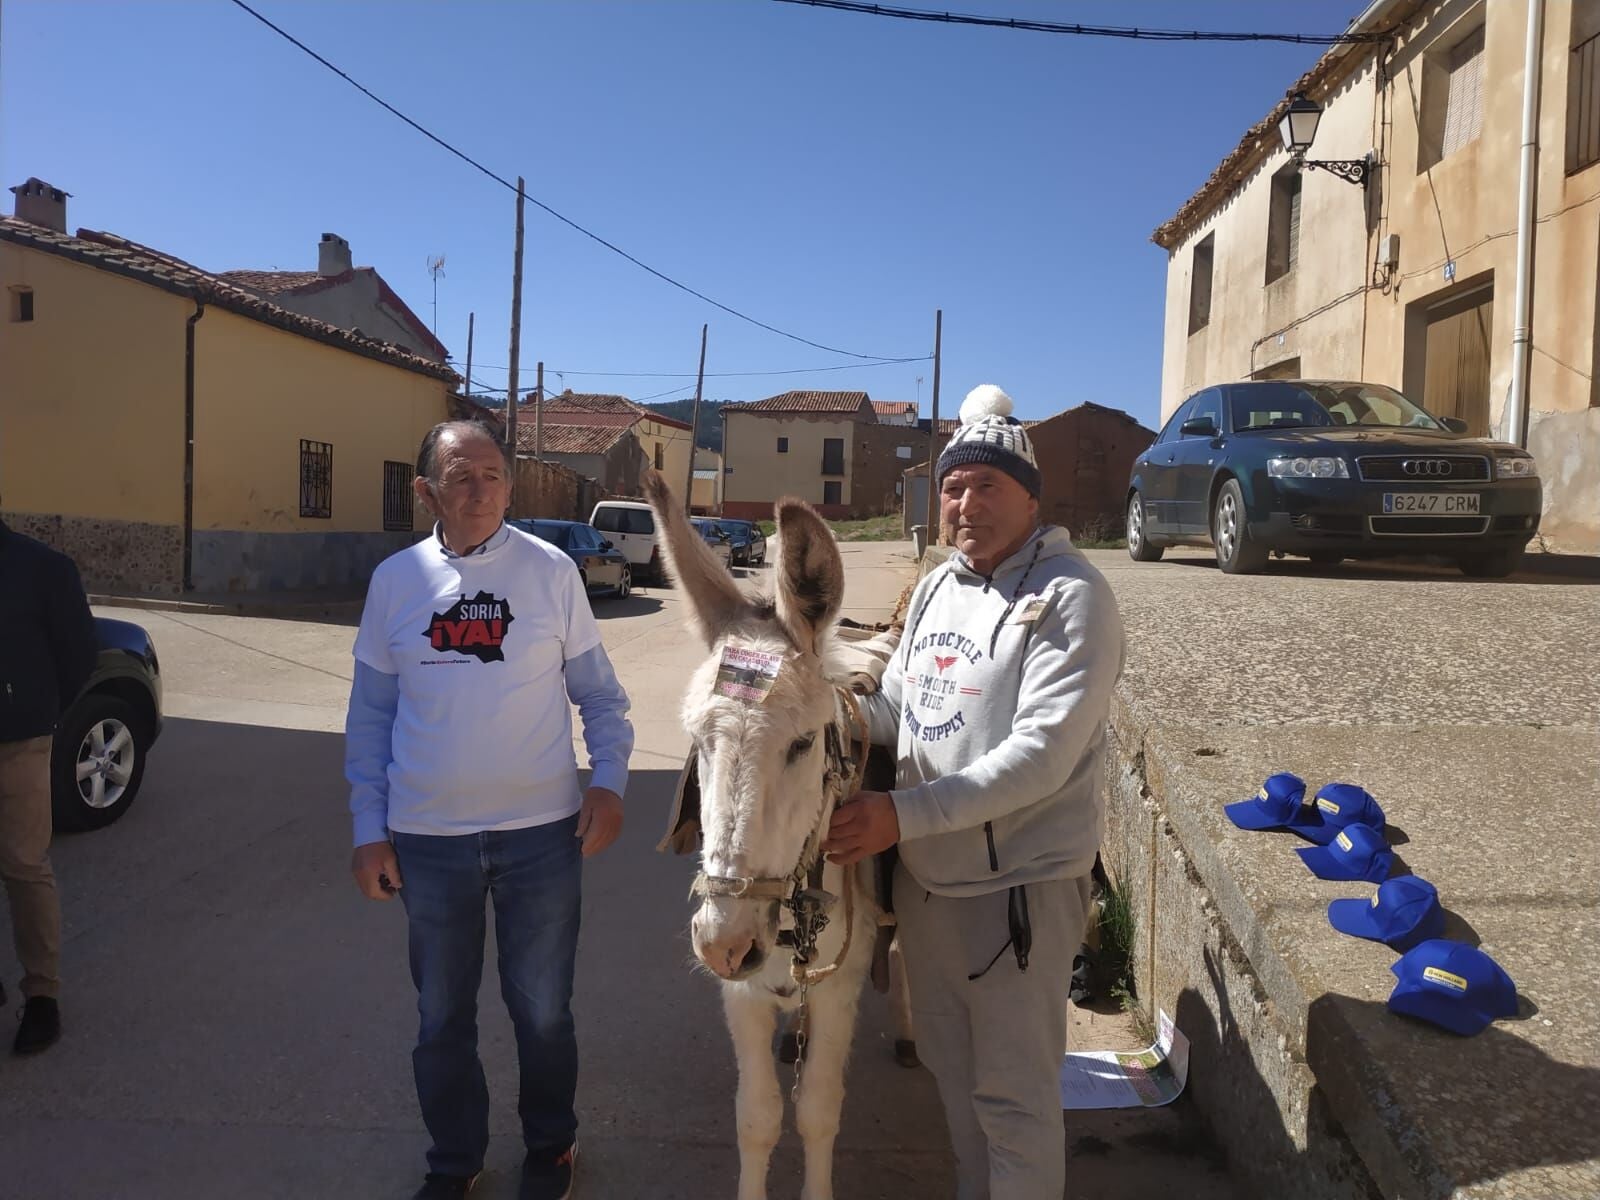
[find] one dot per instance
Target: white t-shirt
(483, 735)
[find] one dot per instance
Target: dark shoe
(41, 1025)
(549, 1180)
(446, 1187)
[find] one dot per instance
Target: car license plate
(1431, 504)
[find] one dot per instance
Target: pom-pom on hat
(990, 435)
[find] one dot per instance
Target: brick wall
(877, 467)
(555, 492)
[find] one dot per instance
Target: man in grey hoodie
(996, 700)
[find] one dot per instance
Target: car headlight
(1516, 466)
(1307, 468)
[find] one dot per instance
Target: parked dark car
(602, 566)
(1329, 471)
(102, 740)
(720, 541)
(749, 543)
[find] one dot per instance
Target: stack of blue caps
(1450, 984)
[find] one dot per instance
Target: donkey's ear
(810, 573)
(715, 600)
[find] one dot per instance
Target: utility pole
(471, 317)
(516, 349)
(933, 433)
(538, 419)
(694, 421)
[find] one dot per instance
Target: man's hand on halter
(600, 820)
(865, 824)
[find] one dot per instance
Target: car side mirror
(1455, 424)
(605, 544)
(1198, 427)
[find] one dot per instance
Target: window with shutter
(1583, 88)
(1200, 284)
(1283, 224)
(1452, 99)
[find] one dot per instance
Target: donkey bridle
(801, 890)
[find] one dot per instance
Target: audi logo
(1427, 466)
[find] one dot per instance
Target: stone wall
(555, 492)
(230, 560)
(112, 556)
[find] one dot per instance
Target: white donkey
(785, 931)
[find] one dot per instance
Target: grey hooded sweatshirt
(997, 700)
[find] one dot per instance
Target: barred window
(316, 479)
(398, 498)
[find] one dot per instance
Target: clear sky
(838, 176)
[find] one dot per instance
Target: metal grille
(1583, 105)
(398, 498)
(1427, 526)
(316, 479)
(1462, 468)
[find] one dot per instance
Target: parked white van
(630, 526)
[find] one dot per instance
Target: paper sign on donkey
(1128, 1079)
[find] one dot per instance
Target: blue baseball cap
(1279, 804)
(1405, 911)
(1339, 805)
(1356, 852)
(1455, 986)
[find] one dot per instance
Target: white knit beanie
(990, 434)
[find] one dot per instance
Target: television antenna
(436, 269)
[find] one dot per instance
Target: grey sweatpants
(995, 1044)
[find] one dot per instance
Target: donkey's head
(757, 709)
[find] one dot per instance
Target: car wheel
(1230, 533)
(97, 762)
(625, 584)
(1492, 564)
(1139, 547)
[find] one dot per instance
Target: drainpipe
(188, 444)
(1516, 417)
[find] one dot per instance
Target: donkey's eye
(799, 746)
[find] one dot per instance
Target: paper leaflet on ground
(1127, 1079)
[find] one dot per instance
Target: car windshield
(1295, 405)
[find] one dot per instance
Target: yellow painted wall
(674, 449)
(761, 474)
(259, 390)
(91, 393)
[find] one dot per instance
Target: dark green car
(1329, 471)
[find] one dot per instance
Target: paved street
(239, 1020)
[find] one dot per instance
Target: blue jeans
(534, 878)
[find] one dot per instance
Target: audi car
(601, 566)
(1329, 471)
(102, 740)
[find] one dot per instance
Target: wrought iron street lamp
(1298, 128)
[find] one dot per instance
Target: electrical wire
(565, 220)
(715, 374)
(1027, 25)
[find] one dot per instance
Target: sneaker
(549, 1180)
(41, 1025)
(446, 1187)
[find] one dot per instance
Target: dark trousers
(533, 878)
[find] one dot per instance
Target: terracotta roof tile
(120, 256)
(570, 439)
(270, 283)
(602, 408)
(804, 402)
(894, 408)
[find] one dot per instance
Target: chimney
(40, 204)
(333, 255)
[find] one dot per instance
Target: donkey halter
(801, 889)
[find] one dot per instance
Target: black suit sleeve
(73, 643)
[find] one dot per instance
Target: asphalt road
(239, 1020)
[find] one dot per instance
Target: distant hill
(710, 437)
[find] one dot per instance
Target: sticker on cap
(1344, 842)
(1444, 979)
(747, 674)
(1328, 806)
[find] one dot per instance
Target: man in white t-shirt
(464, 787)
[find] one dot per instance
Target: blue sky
(835, 175)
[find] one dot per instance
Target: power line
(714, 374)
(503, 182)
(1102, 31)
